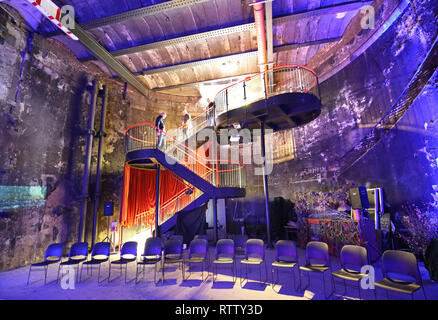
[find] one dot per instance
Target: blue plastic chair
(52, 255)
(254, 255)
(224, 255)
(205, 237)
(400, 273)
(128, 254)
(197, 254)
(172, 254)
(286, 257)
(99, 255)
(317, 261)
(151, 256)
(353, 258)
(78, 253)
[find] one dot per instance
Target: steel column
(216, 235)
(265, 184)
(87, 167)
(101, 135)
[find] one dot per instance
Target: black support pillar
(216, 235)
(87, 167)
(265, 185)
(101, 135)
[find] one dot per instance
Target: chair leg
(98, 273)
(424, 292)
(358, 288)
(293, 275)
(260, 271)
(46, 269)
(28, 276)
(109, 273)
(182, 268)
(273, 280)
(77, 276)
(136, 273)
(80, 273)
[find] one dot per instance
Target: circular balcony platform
(278, 112)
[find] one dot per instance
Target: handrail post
(216, 235)
(226, 99)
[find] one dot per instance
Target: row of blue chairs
(317, 260)
(77, 256)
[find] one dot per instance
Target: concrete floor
(13, 285)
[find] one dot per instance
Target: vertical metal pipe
(216, 235)
(99, 162)
(265, 185)
(87, 167)
(157, 201)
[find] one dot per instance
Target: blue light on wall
(19, 197)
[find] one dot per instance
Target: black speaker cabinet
(108, 209)
(359, 198)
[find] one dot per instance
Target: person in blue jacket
(159, 123)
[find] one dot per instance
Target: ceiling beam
(292, 46)
(176, 4)
(338, 8)
(332, 9)
(226, 58)
(198, 63)
(179, 40)
(103, 55)
(211, 81)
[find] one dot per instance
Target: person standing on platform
(211, 113)
(159, 123)
(186, 124)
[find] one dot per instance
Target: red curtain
(139, 193)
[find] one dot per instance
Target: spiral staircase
(279, 98)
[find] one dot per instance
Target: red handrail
(272, 69)
(179, 143)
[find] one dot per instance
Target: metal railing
(274, 81)
(223, 173)
(169, 208)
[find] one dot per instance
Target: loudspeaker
(359, 198)
(108, 210)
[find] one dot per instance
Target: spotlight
(189, 191)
